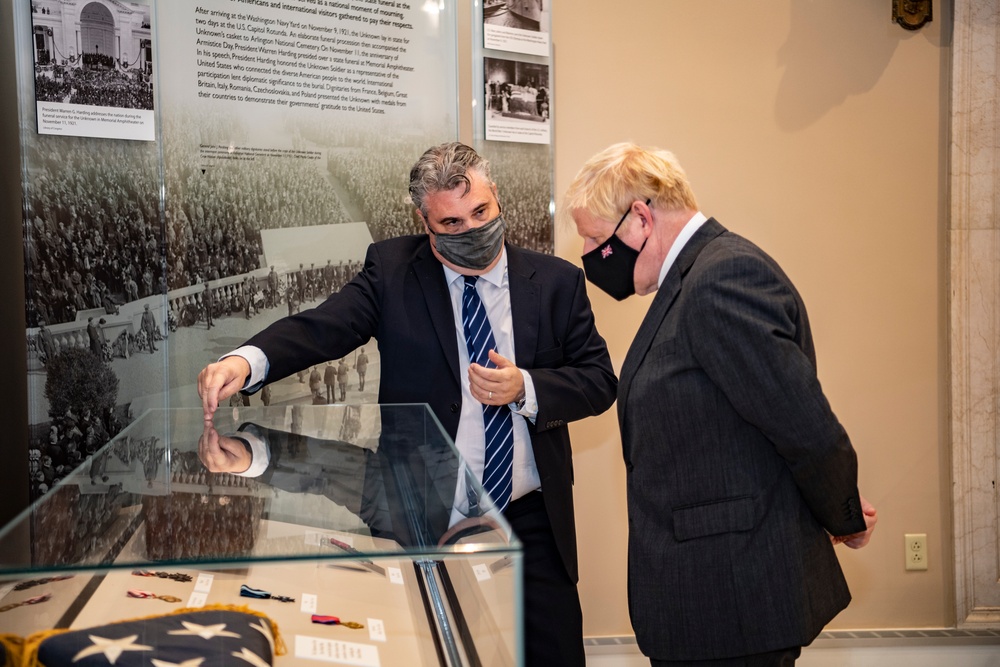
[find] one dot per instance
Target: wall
(819, 131)
(815, 129)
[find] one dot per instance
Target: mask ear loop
(427, 226)
(622, 221)
(645, 240)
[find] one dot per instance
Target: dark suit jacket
(401, 299)
(402, 491)
(736, 465)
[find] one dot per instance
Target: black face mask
(611, 265)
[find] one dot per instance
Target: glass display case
(353, 528)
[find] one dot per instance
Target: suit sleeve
(340, 471)
(753, 342)
(582, 383)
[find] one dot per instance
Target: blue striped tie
(499, 424)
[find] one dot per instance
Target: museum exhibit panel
(352, 528)
(192, 171)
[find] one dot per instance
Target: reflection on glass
(262, 483)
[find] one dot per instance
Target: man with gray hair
(499, 341)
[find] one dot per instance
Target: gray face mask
(473, 249)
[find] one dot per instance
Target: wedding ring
(491, 395)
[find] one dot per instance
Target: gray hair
(444, 167)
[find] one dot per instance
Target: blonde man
(738, 472)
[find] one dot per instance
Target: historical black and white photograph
(93, 68)
(524, 178)
(517, 101)
(147, 260)
(521, 26)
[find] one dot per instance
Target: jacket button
(454, 407)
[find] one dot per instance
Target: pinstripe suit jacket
(737, 468)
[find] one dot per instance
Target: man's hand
(858, 540)
(220, 380)
(496, 386)
(222, 454)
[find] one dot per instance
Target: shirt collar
(690, 227)
(494, 276)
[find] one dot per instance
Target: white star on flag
(204, 631)
(111, 648)
(193, 662)
(251, 657)
(264, 628)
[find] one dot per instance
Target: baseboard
(906, 637)
(620, 645)
(833, 639)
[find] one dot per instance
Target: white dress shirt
(494, 291)
(690, 227)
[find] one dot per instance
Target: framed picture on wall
(521, 26)
(517, 101)
(93, 69)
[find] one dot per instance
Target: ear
(644, 214)
(423, 219)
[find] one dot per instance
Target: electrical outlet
(916, 551)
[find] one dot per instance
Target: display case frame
(358, 511)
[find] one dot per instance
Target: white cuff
(260, 455)
(258, 365)
(529, 410)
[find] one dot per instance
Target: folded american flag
(223, 637)
(10, 650)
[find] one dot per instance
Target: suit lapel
(430, 276)
(524, 300)
(665, 297)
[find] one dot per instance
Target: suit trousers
(553, 618)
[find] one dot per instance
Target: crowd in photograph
(94, 239)
(70, 440)
(375, 172)
(377, 179)
(523, 174)
(92, 234)
(99, 84)
(373, 169)
(216, 208)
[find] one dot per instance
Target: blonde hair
(611, 180)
